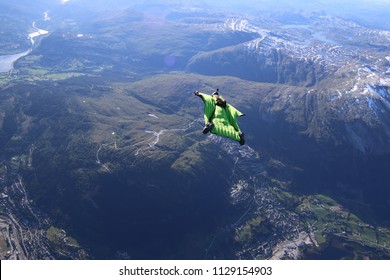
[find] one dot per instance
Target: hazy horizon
(372, 13)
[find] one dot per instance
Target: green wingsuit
(224, 117)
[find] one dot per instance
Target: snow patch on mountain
(381, 91)
(46, 16)
(243, 25)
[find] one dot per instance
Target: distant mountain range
(102, 155)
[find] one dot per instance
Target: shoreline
(7, 61)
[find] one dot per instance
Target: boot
(208, 128)
(242, 139)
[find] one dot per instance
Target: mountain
(102, 155)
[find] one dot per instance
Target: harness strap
(218, 102)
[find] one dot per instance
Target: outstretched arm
(233, 113)
(209, 105)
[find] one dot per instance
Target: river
(7, 61)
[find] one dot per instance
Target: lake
(7, 61)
